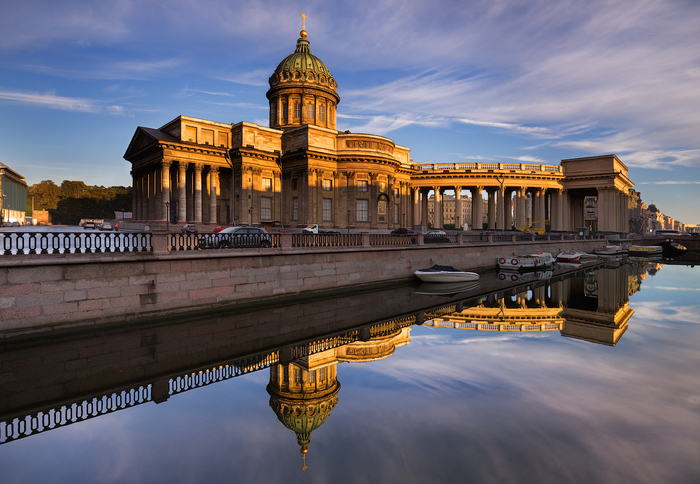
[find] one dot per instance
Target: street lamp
(348, 222)
(167, 216)
(251, 214)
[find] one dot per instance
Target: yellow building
(302, 170)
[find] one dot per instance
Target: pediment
(145, 138)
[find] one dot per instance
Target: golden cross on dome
(303, 22)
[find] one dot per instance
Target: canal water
(587, 376)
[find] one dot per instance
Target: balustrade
(29, 243)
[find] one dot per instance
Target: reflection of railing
(75, 412)
(493, 326)
(15, 243)
(222, 372)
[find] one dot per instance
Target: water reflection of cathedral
(592, 306)
(304, 391)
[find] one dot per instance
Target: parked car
(434, 237)
(236, 237)
(106, 226)
(220, 228)
(402, 232)
(189, 229)
(89, 224)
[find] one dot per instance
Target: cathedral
(299, 170)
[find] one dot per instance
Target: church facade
(301, 170)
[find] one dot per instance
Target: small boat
(439, 273)
(447, 289)
(527, 262)
(609, 250)
(569, 257)
(644, 250)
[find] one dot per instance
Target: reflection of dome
(304, 415)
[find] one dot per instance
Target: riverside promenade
(40, 293)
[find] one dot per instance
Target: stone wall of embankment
(43, 292)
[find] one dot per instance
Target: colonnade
(188, 190)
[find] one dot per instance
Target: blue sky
(455, 81)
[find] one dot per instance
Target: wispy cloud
(252, 78)
(52, 101)
(670, 182)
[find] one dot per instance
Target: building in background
(13, 196)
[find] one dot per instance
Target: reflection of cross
(303, 22)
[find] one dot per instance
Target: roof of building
(303, 60)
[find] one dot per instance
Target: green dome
(303, 60)
(303, 69)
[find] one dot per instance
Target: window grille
(362, 185)
(266, 208)
(362, 206)
(267, 184)
(327, 209)
(295, 208)
(297, 110)
(327, 185)
(310, 111)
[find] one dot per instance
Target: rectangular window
(267, 184)
(361, 185)
(266, 208)
(322, 374)
(311, 376)
(327, 185)
(321, 113)
(295, 184)
(362, 206)
(310, 111)
(396, 193)
(327, 209)
(396, 214)
(285, 112)
(297, 375)
(297, 110)
(295, 208)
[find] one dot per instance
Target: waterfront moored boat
(526, 262)
(569, 257)
(644, 250)
(609, 250)
(439, 273)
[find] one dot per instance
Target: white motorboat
(527, 262)
(439, 273)
(644, 250)
(569, 257)
(609, 250)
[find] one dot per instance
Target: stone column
(459, 219)
(424, 208)
(165, 183)
(557, 209)
(538, 208)
(477, 208)
(213, 179)
(437, 207)
(416, 207)
(565, 211)
(492, 209)
(182, 190)
(152, 194)
(189, 190)
(198, 193)
(501, 219)
(519, 207)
